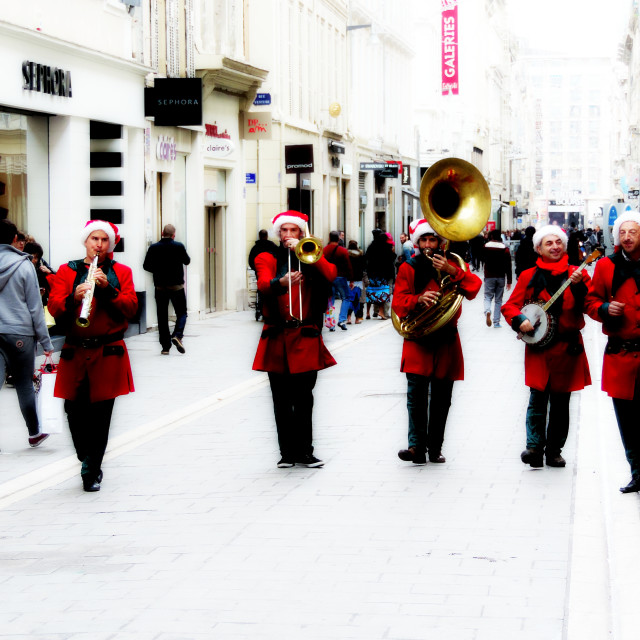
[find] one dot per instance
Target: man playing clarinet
(94, 364)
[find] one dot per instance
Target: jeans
(293, 408)
(553, 436)
(18, 356)
(493, 289)
(427, 416)
(341, 292)
(179, 301)
(627, 416)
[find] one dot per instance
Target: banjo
(544, 324)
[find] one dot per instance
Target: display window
(13, 168)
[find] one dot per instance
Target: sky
(572, 27)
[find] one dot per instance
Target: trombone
(308, 251)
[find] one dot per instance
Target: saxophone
(85, 311)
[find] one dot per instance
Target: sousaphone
(456, 202)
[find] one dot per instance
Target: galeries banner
(450, 57)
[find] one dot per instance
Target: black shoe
(177, 343)
(556, 461)
(285, 463)
(532, 457)
(419, 458)
(438, 457)
(407, 454)
(342, 326)
(309, 461)
(633, 486)
(90, 484)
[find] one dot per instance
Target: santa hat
(418, 228)
(627, 216)
(289, 217)
(102, 225)
(549, 230)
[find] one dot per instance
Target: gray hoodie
(21, 311)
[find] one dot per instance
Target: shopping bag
(48, 318)
(50, 410)
(330, 316)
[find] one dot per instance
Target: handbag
(50, 410)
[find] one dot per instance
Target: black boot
(633, 486)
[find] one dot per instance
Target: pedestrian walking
(22, 326)
(380, 260)
(497, 269)
(290, 348)
(434, 362)
(357, 293)
(613, 300)
(339, 256)
(526, 255)
(94, 363)
(261, 244)
(166, 260)
(552, 371)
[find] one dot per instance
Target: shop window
(13, 169)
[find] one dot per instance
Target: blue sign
(262, 98)
(250, 178)
(613, 214)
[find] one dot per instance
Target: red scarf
(556, 268)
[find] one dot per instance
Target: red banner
(449, 47)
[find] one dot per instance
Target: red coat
(554, 365)
(440, 359)
(109, 375)
(620, 370)
(295, 349)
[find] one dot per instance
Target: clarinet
(83, 319)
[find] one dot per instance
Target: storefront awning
(411, 192)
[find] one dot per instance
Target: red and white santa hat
(289, 217)
(549, 230)
(418, 228)
(627, 216)
(102, 225)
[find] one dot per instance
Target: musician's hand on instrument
(616, 308)
(101, 279)
(81, 289)
(576, 277)
(296, 278)
(291, 243)
(526, 327)
(442, 264)
(429, 298)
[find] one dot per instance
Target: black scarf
(623, 270)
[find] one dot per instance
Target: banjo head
(542, 323)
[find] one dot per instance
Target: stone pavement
(197, 535)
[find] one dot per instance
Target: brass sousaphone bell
(456, 202)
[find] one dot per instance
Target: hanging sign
(217, 144)
(450, 59)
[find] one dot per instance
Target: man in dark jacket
(497, 267)
(259, 246)
(165, 260)
(526, 255)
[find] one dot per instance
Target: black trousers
(428, 411)
(89, 424)
(179, 301)
(627, 412)
(293, 408)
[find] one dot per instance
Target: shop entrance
(214, 259)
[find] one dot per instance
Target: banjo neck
(590, 258)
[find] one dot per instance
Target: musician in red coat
(436, 360)
(94, 364)
(554, 371)
(291, 349)
(614, 300)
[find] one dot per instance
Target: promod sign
(450, 51)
